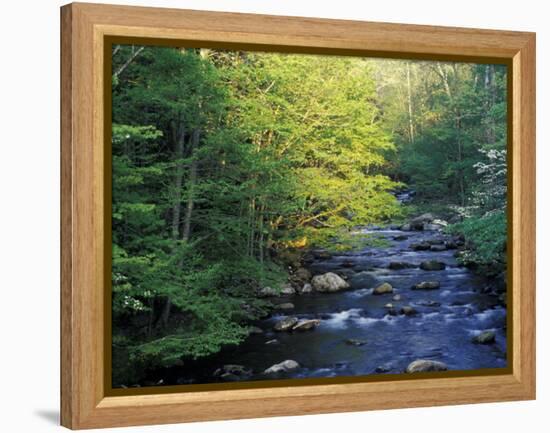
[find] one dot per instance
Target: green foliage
(486, 241)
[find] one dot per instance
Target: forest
(232, 169)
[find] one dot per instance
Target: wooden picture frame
(85, 31)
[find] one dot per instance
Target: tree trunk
(409, 98)
(195, 137)
(179, 147)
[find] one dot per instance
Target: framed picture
(268, 216)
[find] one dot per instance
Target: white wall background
(29, 214)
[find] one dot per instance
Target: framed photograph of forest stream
(269, 216)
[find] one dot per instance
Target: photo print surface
(290, 216)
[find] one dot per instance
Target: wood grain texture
(84, 27)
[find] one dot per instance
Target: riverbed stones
(232, 372)
(268, 292)
(329, 282)
(382, 289)
(400, 265)
(420, 246)
(425, 365)
(307, 288)
(396, 298)
(400, 238)
(406, 227)
(288, 290)
(285, 306)
(283, 367)
(255, 330)
(384, 368)
(426, 285)
(355, 342)
(300, 276)
(306, 325)
(438, 248)
(486, 337)
(285, 324)
(407, 310)
(432, 265)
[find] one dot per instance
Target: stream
(357, 335)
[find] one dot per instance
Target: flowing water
(446, 321)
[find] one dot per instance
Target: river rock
(424, 218)
(396, 298)
(255, 330)
(426, 285)
(329, 282)
(406, 227)
(347, 263)
(300, 277)
(384, 368)
(288, 290)
(283, 367)
(425, 365)
(306, 325)
(307, 288)
(285, 306)
(382, 289)
(285, 324)
(438, 248)
(486, 337)
(400, 265)
(400, 238)
(451, 245)
(407, 310)
(432, 265)
(420, 246)
(232, 372)
(431, 227)
(268, 292)
(355, 342)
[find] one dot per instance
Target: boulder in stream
(306, 325)
(268, 292)
(300, 276)
(438, 248)
(288, 290)
(306, 289)
(407, 310)
(255, 330)
(425, 365)
(400, 265)
(232, 372)
(426, 285)
(285, 306)
(486, 337)
(432, 265)
(329, 282)
(382, 289)
(285, 324)
(420, 246)
(283, 367)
